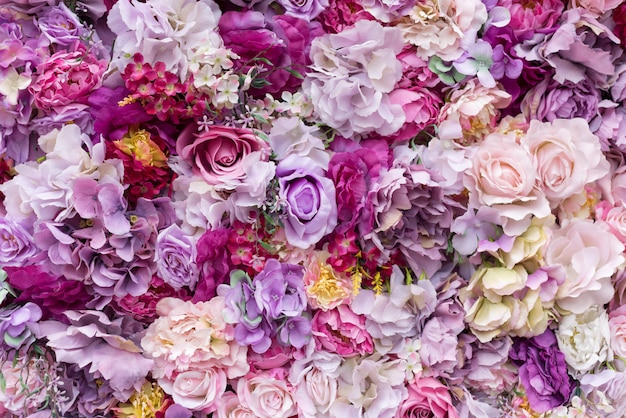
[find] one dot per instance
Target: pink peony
(530, 16)
(342, 331)
(217, 155)
(427, 397)
(421, 108)
(67, 77)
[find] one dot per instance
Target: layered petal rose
(427, 397)
(311, 209)
(217, 155)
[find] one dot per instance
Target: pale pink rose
(190, 336)
(617, 325)
(218, 154)
(341, 331)
(231, 406)
(427, 397)
(567, 156)
(197, 390)
(615, 218)
(267, 396)
(597, 7)
(501, 183)
(586, 255)
(471, 112)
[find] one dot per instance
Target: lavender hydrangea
(18, 324)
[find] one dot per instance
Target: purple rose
(16, 244)
(283, 40)
(60, 25)
(305, 9)
(176, 258)
(543, 371)
(550, 100)
(309, 199)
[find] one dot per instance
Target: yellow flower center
(137, 143)
(142, 404)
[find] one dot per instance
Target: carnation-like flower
(550, 100)
(67, 77)
(586, 255)
(341, 331)
(543, 371)
(584, 339)
(190, 336)
(353, 73)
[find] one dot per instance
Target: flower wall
(312, 208)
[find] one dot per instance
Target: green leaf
(267, 247)
(295, 73)
(3, 382)
(237, 276)
(264, 60)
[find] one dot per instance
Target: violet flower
(18, 324)
(478, 61)
(279, 289)
(60, 25)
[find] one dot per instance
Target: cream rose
(197, 390)
(567, 156)
(267, 397)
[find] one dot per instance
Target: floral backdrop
(312, 208)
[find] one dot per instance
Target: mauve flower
(67, 77)
(427, 397)
(217, 154)
(213, 262)
(281, 39)
(353, 73)
(487, 367)
(542, 371)
(17, 247)
(341, 331)
(18, 324)
(53, 294)
(311, 209)
(175, 258)
(605, 392)
(304, 9)
(341, 14)
(388, 10)
(93, 340)
(550, 100)
(60, 25)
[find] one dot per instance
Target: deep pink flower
(341, 331)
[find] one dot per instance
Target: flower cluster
(312, 208)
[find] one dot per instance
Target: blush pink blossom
(617, 325)
(342, 331)
(266, 396)
(197, 390)
(427, 397)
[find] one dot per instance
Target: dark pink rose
(217, 155)
(427, 398)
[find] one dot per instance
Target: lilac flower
(279, 289)
(505, 65)
(18, 324)
(478, 61)
(111, 198)
(176, 258)
(60, 25)
(93, 340)
(304, 9)
(295, 331)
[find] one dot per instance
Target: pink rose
(615, 218)
(67, 77)
(341, 331)
(197, 390)
(266, 396)
(421, 108)
(231, 406)
(617, 325)
(427, 398)
(567, 156)
(503, 178)
(586, 255)
(217, 155)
